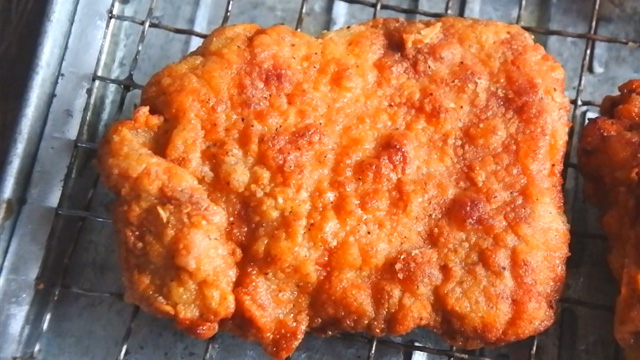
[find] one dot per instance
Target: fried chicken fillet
(382, 177)
(609, 159)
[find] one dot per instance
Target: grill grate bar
(453, 349)
(533, 29)
(567, 159)
(209, 352)
(585, 102)
(447, 6)
(412, 347)
(143, 36)
(397, 8)
(127, 333)
(407, 11)
(158, 25)
(534, 347)
(82, 214)
(521, 6)
(127, 83)
(132, 68)
(578, 97)
(376, 8)
(78, 290)
(463, 7)
(372, 348)
(564, 335)
(58, 285)
(227, 13)
(86, 145)
(587, 51)
(301, 13)
(576, 35)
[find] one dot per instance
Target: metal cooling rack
(59, 283)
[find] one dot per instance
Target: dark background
(20, 25)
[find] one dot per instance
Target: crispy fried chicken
(382, 177)
(609, 159)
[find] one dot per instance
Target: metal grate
(81, 202)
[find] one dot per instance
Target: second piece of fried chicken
(385, 176)
(609, 159)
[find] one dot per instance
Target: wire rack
(80, 313)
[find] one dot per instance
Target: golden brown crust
(386, 176)
(174, 252)
(609, 159)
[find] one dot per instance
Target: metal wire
(372, 348)
(521, 6)
(227, 13)
(533, 29)
(534, 347)
(82, 214)
(447, 7)
(300, 19)
(411, 347)
(396, 8)
(581, 79)
(173, 29)
(376, 8)
(127, 84)
(127, 334)
(132, 68)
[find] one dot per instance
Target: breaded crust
(382, 177)
(609, 159)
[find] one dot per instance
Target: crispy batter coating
(385, 176)
(609, 159)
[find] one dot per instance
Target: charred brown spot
(466, 210)
(396, 151)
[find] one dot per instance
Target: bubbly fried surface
(385, 176)
(609, 159)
